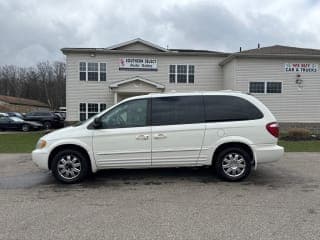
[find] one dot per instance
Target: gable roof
(275, 51)
(136, 78)
(22, 101)
(117, 49)
(280, 49)
(137, 40)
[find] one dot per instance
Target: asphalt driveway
(278, 201)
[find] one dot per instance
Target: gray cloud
(35, 30)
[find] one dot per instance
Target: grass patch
(19, 142)
(300, 146)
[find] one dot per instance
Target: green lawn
(300, 146)
(19, 142)
(25, 143)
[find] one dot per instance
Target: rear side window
(229, 108)
(177, 110)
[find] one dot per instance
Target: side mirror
(97, 123)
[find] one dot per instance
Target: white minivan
(231, 131)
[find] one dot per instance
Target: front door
(177, 130)
(124, 137)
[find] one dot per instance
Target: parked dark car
(62, 115)
(15, 114)
(48, 119)
(15, 123)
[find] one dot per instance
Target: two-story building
(286, 79)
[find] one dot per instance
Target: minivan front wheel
(69, 166)
(233, 164)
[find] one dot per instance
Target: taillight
(273, 129)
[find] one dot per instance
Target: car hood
(63, 133)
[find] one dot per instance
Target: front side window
(4, 119)
(229, 108)
(177, 110)
(128, 114)
(181, 73)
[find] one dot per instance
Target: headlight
(41, 144)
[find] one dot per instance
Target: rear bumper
(267, 153)
(40, 158)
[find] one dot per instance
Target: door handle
(142, 137)
(160, 136)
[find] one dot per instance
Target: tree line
(45, 82)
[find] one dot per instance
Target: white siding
(229, 75)
(208, 76)
(293, 105)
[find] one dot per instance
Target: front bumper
(267, 153)
(40, 158)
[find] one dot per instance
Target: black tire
(64, 176)
(25, 128)
(47, 125)
(239, 167)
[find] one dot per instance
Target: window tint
(177, 110)
(229, 108)
(4, 119)
(129, 114)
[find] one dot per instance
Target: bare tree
(45, 82)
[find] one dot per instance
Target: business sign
(138, 64)
(301, 67)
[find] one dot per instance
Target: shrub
(298, 134)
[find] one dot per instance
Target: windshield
(16, 119)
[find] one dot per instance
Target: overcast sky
(36, 30)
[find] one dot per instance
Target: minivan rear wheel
(69, 166)
(233, 164)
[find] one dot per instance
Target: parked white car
(231, 131)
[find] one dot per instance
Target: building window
(274, 87)
(191, 74)
(103, 71)
(93, 71)
(83, 112)
(83, 71)
(87, 110)
(256, 87)
(103, 107)
(265, 87)
(172, 74)
(181, 73)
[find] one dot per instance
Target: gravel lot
(279, 201)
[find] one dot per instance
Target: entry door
(178, 130)
(124, 139)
